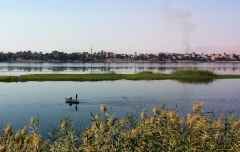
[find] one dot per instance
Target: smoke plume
(183, 19)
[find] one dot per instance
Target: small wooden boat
(71, 100)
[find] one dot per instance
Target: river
(20, 101)
(122, 68)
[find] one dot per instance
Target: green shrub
(193, 72)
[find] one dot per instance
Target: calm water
(20, 101)
(123, 68)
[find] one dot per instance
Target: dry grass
(164, 130)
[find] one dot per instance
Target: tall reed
(163, 130)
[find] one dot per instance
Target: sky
(120, 26)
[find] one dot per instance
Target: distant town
(102, 56)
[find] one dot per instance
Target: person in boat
(70, 98)
(76, 96)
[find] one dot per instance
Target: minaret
(91, 58)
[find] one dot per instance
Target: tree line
(51, 57)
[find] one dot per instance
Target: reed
(163, 130)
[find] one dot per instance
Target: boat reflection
(71, 104)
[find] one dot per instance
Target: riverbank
(162, 130)
(186, 74)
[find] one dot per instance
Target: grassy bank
(163, 130)
(182, 75)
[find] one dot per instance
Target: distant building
(232, 56)
(213, 58)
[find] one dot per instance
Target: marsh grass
(163, 130)
(182, 75)
(193, 72)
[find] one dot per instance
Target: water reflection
(123, 68)
(118, 69)
(71, 104)
(196, 81)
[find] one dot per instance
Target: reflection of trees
(10, 68)
(56, 69)
(120, 68)
(60, 68)
(27, 69)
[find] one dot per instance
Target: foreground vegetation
(163, 130)
(191, 75)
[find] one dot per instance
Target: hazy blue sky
(121, 26)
